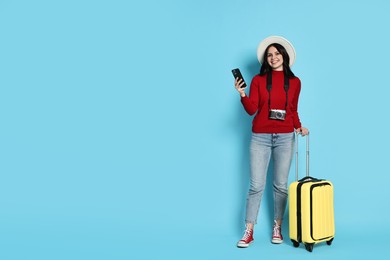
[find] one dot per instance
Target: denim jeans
(262, 147)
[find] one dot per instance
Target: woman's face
(275, 59)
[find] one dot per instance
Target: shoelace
(276, 232)
(247, 234)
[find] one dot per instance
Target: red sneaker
(246, 239)
(277, 237)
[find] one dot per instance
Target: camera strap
(269, 87)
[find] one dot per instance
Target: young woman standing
(273, 97)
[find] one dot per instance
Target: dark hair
(266, 68)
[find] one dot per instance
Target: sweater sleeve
(251, 102)
(294, 108)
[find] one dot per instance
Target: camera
(277, 114)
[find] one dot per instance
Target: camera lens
(279, 115)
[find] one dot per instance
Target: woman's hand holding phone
(238, 83)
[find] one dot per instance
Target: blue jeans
(262, 147)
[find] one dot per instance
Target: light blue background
(122, 136)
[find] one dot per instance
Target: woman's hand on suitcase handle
(302, 130)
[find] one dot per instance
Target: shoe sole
(244, 245)
(274, 241)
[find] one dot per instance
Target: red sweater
(258, 102)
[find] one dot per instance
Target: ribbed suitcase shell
(311, 211)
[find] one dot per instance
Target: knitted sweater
(257, 101)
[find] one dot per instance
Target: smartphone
(237, 74)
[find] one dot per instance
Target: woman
(273, 96)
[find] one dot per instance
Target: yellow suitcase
(311, 210)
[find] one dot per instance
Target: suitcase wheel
(309, 247)
(329, 242)
(295, 243)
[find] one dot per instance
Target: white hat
(276, 39)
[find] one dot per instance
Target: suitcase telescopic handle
(296, 155)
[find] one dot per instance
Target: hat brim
(276, 39)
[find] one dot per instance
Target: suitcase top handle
(311, 179)
(296, 155)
